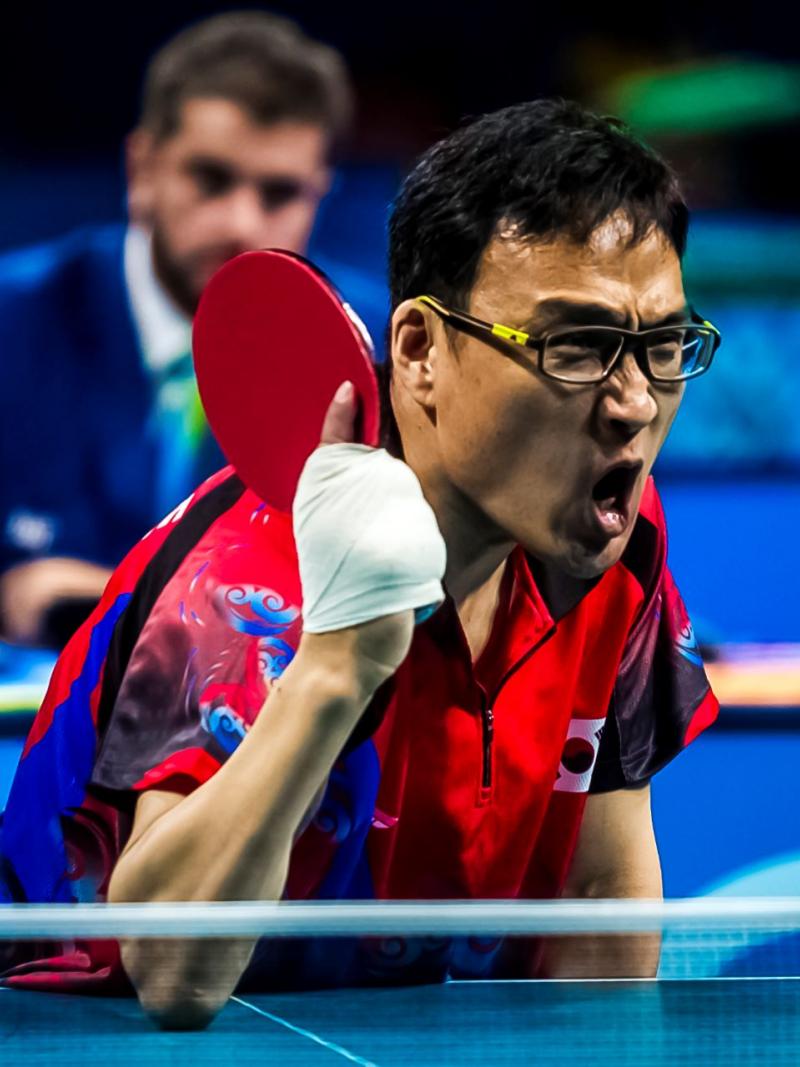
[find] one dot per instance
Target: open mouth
(612, 495)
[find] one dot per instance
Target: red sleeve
(198, 674)
(662, 699)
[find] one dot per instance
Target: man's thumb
(338, 427)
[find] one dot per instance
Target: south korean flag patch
(579, 755)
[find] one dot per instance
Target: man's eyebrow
(682, 315)
(557, 312)
(574, 313)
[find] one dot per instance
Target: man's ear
(413, 351)
(140, 151)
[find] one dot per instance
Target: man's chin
(183, 284)
(202, 275)
(580, 560)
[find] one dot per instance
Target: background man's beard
(174, 279)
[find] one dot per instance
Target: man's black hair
(546, 168)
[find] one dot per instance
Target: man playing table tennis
(203, 740)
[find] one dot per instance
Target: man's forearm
(29, 590)
(616, 858)
(634, 955)
(232, 838)
(601, 956)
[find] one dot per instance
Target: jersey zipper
(487, 713)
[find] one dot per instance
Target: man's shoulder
(39, 267)
(64, 302)
(224, 529)
(220, 550)
(214, 584)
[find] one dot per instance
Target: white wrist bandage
(367, 540)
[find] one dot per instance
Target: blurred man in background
(101, 430)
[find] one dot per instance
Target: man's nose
(627, 405)
(245, 216)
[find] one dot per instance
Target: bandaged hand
(367, 540)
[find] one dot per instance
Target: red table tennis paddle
(272, 342)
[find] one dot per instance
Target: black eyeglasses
(584, 355)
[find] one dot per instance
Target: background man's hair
(547, 168)
(261, 62)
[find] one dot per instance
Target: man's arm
(29, 590)
(232, 838)
(616, 857)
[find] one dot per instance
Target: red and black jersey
(463, 780)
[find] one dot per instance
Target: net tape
(412, 918)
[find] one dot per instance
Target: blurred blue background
(720, 97)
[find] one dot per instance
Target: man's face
(223, 184)
(529, 451)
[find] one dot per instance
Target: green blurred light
(725, 95)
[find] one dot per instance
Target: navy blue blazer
(78, 467)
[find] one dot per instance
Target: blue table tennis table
(619, 1023)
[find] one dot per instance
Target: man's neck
(477, 553)
(476, 547)
(476, 550)
(164, 331)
